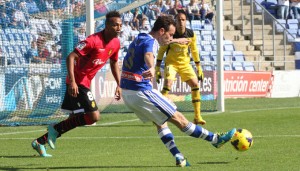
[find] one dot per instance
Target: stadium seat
(227, 56)
(13, 30)
(213, 55)
(293, 26)
(17, 49)
(207, 47)
(280, 25)
(207, 67)
(7, 30)
(258, 9)
(188, 24)
(23, 49)
(196, 25)
(208, 27)
(10, 36)
(291, 35)
(238, 56)
(204, 42)
(228, 45)
(3, 36)
(207, 37)
(205, 32)
(205, 56)
(237, 66)
(4, 49)
(10, 49)
(292, 21)
(227, 66)
(248, 66)
(214, 47)
(198, 34)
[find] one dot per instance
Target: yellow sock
(165, 91)
(196, 102)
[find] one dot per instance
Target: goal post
(220, 70)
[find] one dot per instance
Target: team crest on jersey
(81, 45)
(109, 52)
(93, 104)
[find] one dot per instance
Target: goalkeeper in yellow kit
(178, 61)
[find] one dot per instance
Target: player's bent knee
(179, 120)
(94, 116)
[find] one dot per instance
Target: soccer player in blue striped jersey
(149, 104)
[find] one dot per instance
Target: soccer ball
(242, 140)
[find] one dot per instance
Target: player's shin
(167, 138)
(196, 100)
(199, 132)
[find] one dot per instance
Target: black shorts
(84, 102)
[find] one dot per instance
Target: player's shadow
(83, 167)
(213, 162)
(13, 157)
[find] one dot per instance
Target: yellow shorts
(186, 72)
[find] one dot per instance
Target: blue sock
(167, 138)
(199, 132)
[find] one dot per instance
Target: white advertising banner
(286, 84)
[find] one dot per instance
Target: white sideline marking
(132, 120)
(144, 137)
(253, 110)
(112, 123)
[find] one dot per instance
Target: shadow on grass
(213, 162)
(81, 167)
(13, 157)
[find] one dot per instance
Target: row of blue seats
(14, 49)
(228, 56)
(15, 36)
(213, 47)
(230, 66)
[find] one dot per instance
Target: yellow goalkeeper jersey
(178, 54)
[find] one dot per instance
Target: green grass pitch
(122, 142)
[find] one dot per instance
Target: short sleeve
(84, 47)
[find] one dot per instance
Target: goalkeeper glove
(157, 74)
(200, 73)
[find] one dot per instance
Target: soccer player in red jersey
(83, 63)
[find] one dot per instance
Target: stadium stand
(41, 33)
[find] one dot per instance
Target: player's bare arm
(72, 88)
(183, 41)
(116, 73)
(149, 60)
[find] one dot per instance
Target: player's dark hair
(181, 12)
(163, 22)
(111, 14)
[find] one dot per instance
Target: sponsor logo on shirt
(131, 76)
(80, 46)
(101, 50)
(98, 61)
